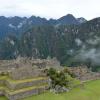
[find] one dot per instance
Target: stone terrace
(22, 78)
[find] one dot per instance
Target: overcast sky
(50, 8)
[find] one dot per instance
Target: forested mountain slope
(71, 44)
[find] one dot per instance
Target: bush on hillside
(61, 79)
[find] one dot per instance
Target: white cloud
(50, 8)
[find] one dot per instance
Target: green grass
(26, 80)
(7, 78)
(90, 91)
(3, 98)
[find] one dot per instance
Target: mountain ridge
(17, 25)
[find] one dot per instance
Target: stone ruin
(83, 73)
(23, 77)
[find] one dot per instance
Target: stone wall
(24, 94)
(24, 73)
(8, 65)
(2, 82)
(18, 90)
(83, 73)
(20, 85)
(17, 71)
(1, 93)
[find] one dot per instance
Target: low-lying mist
(90, 55)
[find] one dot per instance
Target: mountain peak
(68, 19)
(69, 15)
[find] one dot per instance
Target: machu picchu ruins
(24, 77)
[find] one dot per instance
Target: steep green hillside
(71, 44)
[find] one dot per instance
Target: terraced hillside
(17, 89)
(20, 79)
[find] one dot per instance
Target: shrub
(58, 78)
(70, 73)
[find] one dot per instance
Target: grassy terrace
(11, 92)
(21, 81)
(28, 89)
(26, 80)
(22, 90)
